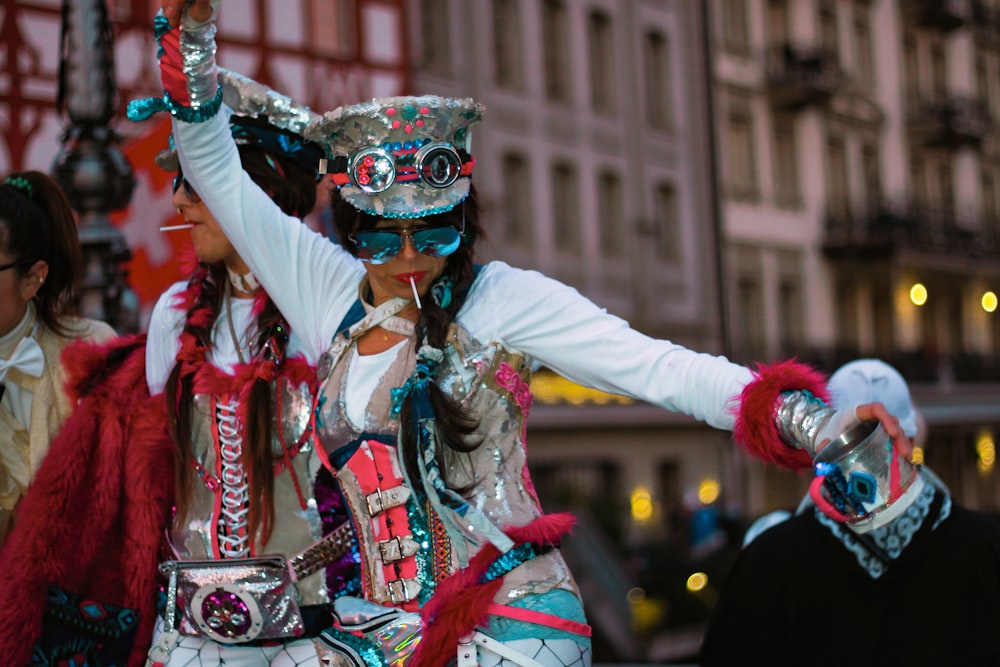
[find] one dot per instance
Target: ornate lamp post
(94, 173)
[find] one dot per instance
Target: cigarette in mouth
(170, 228)
(416, 297)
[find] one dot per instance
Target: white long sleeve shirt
(314, 282)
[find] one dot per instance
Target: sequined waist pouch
(233, 601)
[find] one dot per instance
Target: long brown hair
(454, 425)
(37, 223)
(293, 188)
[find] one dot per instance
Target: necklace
(229, 320)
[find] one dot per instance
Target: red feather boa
(94, 517)
(755, 428)
(460, 603)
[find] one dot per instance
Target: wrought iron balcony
(851, 235)
(798, 77)
(943, 15)
(952, 122)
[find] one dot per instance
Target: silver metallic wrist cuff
(197, 47)
(799, 417)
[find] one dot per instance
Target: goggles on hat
(376, 168)
(380, 245)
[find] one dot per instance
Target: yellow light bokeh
(641, 502)
(986, 451)
(708, 491)
(697, 582)
(918, 294)
(989, 301)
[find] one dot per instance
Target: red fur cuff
(755, 428)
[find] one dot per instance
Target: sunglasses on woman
(380, 245)
(180, 181)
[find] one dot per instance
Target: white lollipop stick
(416, 297)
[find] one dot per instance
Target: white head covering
(871, 380)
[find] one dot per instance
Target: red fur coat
(95, 515)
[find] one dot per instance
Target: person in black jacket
(910, 578)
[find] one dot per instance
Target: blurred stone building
(859, 147)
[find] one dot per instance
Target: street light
(94, 173)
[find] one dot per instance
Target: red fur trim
(94, 517)
(86, 363)
(546, 529)
(460, 603)
(755, 428)
(298, 371)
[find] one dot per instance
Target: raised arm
(310, 279)
(778, 411)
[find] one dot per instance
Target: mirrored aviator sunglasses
(180, 181)
(381, 245)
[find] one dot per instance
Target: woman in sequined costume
(424, 362)
(40, 268)
(222, 355)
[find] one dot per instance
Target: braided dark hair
(293, 188)
(453, 424)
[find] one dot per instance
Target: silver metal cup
(872, 473)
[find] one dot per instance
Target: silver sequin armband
(799, 417)
(197, 47)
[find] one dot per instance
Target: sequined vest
(404, 546)
(217, 489)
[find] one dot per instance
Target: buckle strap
(384, 499)
(397, 548)
(402, 590)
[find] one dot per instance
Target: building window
(983, 80)
(777, 22)
(566, 209)
(750, 320)
(871, 164)
(602, 63)
(829, 35)
(946, 189)
(911, 67)
(333, 28)
(918, 181)
(735, 26)
(864, 62)
(988, 199)
(790, 315)
(939, 71)
(837, 177)
(507, 44)
(667, 222)
(611, 213)
(555, 47)
(657, 56)
(846, 305)
(742, 172)
(517, 201)
(435, 38)
(786, 170)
